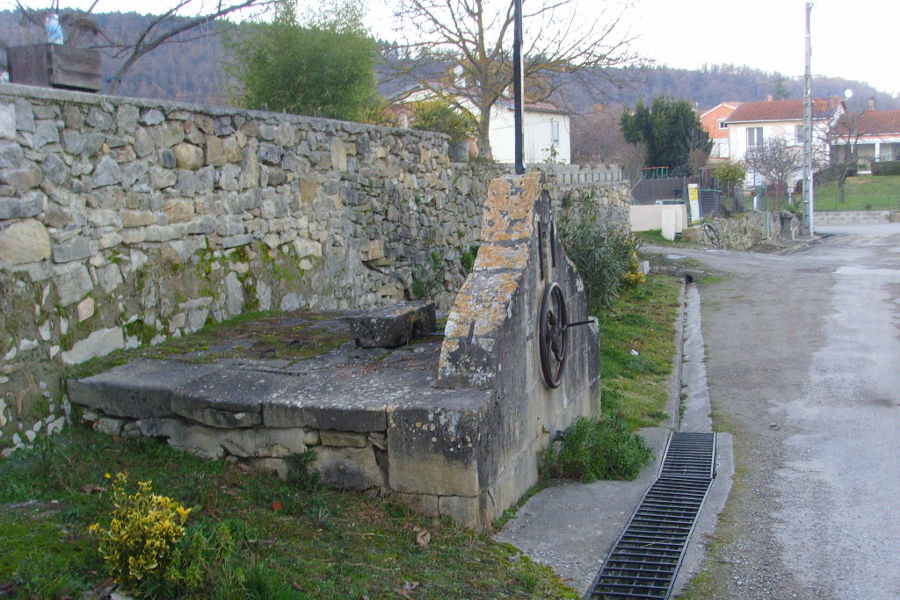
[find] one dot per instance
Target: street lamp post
(518, 88)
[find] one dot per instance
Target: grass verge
(863, 192)
(637, 344)
(282, 540)
(655, 237)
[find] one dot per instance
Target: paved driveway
(803, 361)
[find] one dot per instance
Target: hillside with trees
(192, 71)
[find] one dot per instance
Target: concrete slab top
(265, 369)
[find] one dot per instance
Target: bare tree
(184, 18)
(474, 39)
(843, 140)
(777, 161)
(596, 136)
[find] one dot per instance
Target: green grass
(655, 237)
(600, 448)
(863, 192)
(642, 318)
(634, 387)
(319, 544)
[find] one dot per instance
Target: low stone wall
(126, 221)
(856, 217)
(743, 231)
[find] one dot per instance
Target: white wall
(538, 130)
(648, 217)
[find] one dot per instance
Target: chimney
(769, 98)
(872, 103)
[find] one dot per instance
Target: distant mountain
(191, 71)
(713, 84)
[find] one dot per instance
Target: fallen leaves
(423, 537)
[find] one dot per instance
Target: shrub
(142, 532)
(441, 116)
(730, 174)
(886, 168)
(604, 254)
(428, 278)
(468, 258)
(595, 449)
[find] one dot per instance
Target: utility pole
(518, 88)
(808, 195)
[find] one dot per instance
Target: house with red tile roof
(876, 135)
(715, 122)
(753, 124)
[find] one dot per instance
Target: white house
(547, 133)
(546, 126)
(876, 135)
(752, 124)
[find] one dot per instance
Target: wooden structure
(57, 66)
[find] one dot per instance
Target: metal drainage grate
(646, 557)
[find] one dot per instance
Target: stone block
(54, 169)
(425, 504)
(30, 205)
(22, 179)
(11, 155)
(137, 218)
(45, 133)
(73, 285)
(161, 178)
(274, 466)
(432, 450)
(109, 426)
(259, 442)
(98, 343)
(77, 248)
(351, 468)
(463, 509)
(138, 390)
(107, 172)
(178, 211)
(393, 326)
(230, 390)
(188, 156)
(7, 121)
(302, 410)
(220, 419)
(343, 438)
(85, 309)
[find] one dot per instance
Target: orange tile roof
(727, 104)
(880, 122)
(783, 110)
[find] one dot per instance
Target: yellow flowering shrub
(142, 532)
(633, 276)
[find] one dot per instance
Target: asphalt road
(803, 363)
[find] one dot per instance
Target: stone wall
(856, 217)
(743, 231)
(126, 221)
(493, 340)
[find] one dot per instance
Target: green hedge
(886, 168)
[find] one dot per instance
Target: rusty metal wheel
(554, 335)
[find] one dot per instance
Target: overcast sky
(855, 39)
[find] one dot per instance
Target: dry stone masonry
(126, 222)
(451, 425)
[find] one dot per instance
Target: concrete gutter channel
(572, 528)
